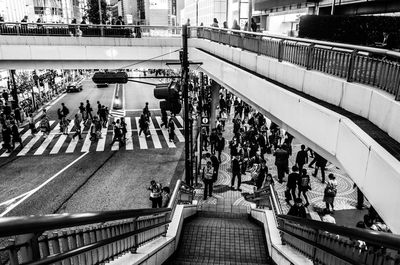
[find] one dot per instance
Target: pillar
(214, 102)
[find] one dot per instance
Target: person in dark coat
(281, 162)
(298, 209)
(16, 138)
(171, 130)
(262, 174)
(301, 158)
(6, 134)
(17, 114)
(293, 178)
(320, 164)
(220, 145)
(236, 172)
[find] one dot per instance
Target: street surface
(59, 174)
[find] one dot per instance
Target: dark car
(75, 87)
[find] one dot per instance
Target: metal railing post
(350, 71)
(310, 56)
(29, 252)
(280, 50)
(135, 237)
(398, 94)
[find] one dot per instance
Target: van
(75, 87)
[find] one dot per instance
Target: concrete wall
(334, 136)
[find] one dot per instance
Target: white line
(165, 133)
(142, 138)
(30, 193)
(141, 109)
(74, 142)
(44, 145)
(61, 140)
(154, 135)
(13, 199)
(102, 141)
(129, 140)
(180, 120)
(32, 142)
(179, 134)
(87, 142)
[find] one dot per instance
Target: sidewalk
(224, 198)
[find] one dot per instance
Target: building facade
(14, 11)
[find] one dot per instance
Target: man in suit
(236, 172)
(281, 162)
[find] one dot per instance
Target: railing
(85, 30)
(366, 65)
(87, 238)
(327, 244)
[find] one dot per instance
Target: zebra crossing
(58, 143)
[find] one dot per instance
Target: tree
(24, 82)
(92, 11)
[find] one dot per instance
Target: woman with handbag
(330, 192)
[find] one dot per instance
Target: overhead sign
(158, 4)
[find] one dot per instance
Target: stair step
(224, 215)
(196, 261)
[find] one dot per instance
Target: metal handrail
(24, 24)
(387, 240)
(310, 41)
(11, 226)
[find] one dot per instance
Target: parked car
(75, 87)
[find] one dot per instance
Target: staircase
(221, 238)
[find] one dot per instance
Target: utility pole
(185, 75)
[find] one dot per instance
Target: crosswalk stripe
(44, 145)
(154, 135)
(178, 134)
(87, 142)
(74, 142)
(129, 140)
(142, 138)
(180, 120)
(102, 141)
(23, 138)
(165, 133)
(32, 142)
(61, 140)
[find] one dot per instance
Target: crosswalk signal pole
(185, 73)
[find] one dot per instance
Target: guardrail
(327, 244)
(366, 65)
(87, 30)
(87, 238)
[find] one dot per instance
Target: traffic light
(170, 94)
(110, 78)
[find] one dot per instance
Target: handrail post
(280, 50)
(135, 237)
(310, 56)
(398, 94)
(29, 252)
(12, 252)
(350, 71)
(101, 31)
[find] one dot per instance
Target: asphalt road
(99, 180)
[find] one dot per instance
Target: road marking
(44, 144)
(87, 142)
(102, 141)
(73, 143)
(165, 133)
(61, 140)
(129, 140)
(154, 135)
(178, 134)
(142, 138)
(32, 142)
(30, 193)
(180, 120)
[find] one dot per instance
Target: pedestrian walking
(298, 209)
(77, 125)
(16, 138)
(164, 118)
(262, 174)
(123, 129)
(220, 145)
(304, 185)
(293, 179)
(301, 158)
(45, 126)
(17, 115)
(117, 133)
(32, 124)
(207, 176)
(171, 130)
(165, 196)
(155, 194)
(6, 134)
(144, 125)
(89, 110)
(82, 111)
(281, 162)
(236, 172)
(64, 125)
(320, 164)
(64, 110)
(330, 193)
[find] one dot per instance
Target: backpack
(304, 181)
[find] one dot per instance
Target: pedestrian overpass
(338, 99)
